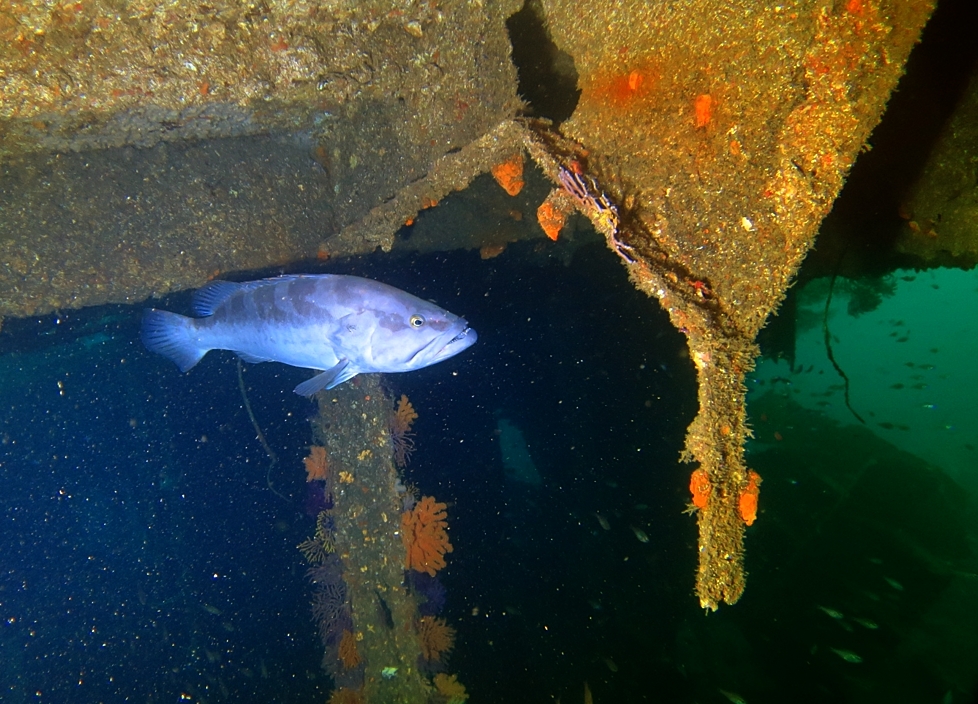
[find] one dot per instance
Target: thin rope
(828, 338)
(273, 458)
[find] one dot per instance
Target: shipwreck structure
(708, 140)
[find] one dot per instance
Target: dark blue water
(145, 555)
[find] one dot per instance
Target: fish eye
(417, 321)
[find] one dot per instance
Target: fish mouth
(460, 336)
(465, 338)
(433, 352)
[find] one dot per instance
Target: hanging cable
(272, 457)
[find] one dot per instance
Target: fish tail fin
(172, 336)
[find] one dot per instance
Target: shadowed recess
(547, 76)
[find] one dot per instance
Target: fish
(338, 325)
(602, 521)
(640, 534)
(893, 583)
(847, 655)
(830, 612)
(866, 623)
(732, 696)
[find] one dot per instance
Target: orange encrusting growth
(436, 636)
(621, 89)
(490, 251)
(703, 109)
(552, 213)
(425, 537)
(317, 466)
(700, 488)
(509, 174)
(749, 496)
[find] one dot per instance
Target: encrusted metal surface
(371, 94)
(722, 131)
(942, 208)
(710, 139)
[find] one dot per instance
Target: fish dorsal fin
(209, 297)
(328, 379)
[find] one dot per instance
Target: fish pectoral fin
(328, 379)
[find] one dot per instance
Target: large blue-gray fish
(340, 325)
